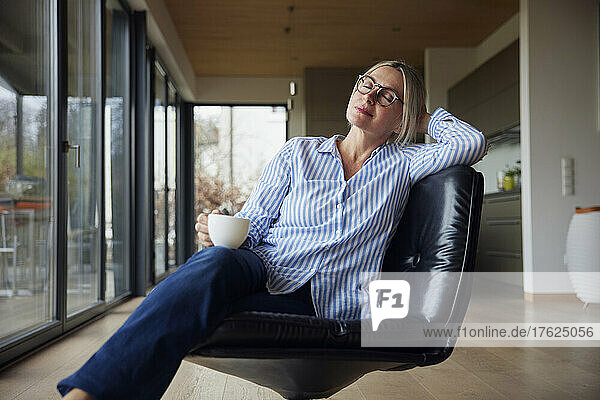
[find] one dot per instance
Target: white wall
(559, 118)
(228, 90)
(502, 37)
(445, 66)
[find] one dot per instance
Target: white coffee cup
(228, 231)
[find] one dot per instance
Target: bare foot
(77, 394)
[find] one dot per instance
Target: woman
(322, 212)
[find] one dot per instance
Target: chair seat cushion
(278, 335)
(270, 329)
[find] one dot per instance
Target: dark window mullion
(61, 194)
(100, 154)
(128, 158)
(185, 183)
(150, 60)
(142, 199)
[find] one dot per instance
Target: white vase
(583, 254)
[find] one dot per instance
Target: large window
(27, 174)
(73, 176)
(65, 161)
(165, 163)
(116, 150)
(232, 145)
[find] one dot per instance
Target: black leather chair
(305, 357)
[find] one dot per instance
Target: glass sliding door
(116, 150)
(171, 176)
(65, 166)
(27, 169)
(160, 143)
(84, 159)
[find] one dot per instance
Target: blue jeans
(141, 358)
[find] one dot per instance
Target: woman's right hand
(202, 228)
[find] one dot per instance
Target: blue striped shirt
(308, 222)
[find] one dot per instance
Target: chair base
(296, 379)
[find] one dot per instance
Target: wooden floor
(470, 373)
(28, 309)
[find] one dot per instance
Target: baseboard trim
(532, 297)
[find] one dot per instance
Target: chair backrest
(438, 234)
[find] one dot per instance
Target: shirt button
(338, 231)
(339, 206)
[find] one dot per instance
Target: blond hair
(413, 96)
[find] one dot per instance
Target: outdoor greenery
(212, 189)
(34, 137)
(212, 193)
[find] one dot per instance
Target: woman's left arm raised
(458, 143)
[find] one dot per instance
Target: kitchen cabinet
(500, 242)
(488, 97)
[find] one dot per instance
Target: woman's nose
(371, 96)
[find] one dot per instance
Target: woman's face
(365, 113)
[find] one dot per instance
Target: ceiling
(282, 37)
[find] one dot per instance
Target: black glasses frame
(375, 84)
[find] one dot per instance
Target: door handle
(67, 147)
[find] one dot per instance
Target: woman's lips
(363, 111)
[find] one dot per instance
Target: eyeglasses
(384, 96)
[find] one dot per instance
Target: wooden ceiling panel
(265, 38)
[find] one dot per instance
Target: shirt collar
(328, 146)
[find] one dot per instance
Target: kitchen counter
(502, 193)
(499, 248)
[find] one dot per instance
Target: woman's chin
(359, 120)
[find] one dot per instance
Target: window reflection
(171, 176)
(116, 126)
(83, 222)
(159, 173)
(27, 282)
